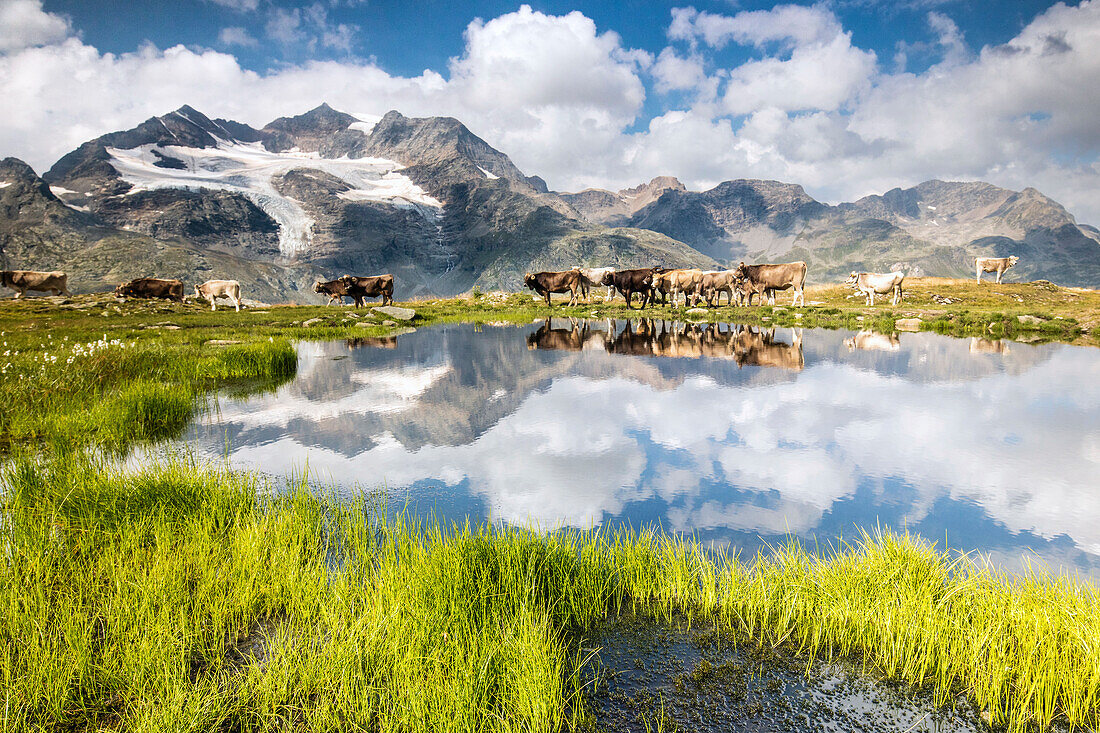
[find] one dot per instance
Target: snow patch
(366, 122)
(488, 175)
(61, 190)
(248, 169)
(931, 208)
(5, 184)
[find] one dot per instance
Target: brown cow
(335, 290)
(993, 264)
(21, 281)
(628, 282)
(151, 287)
(545, 283)
(745, 290)
(776, 277)
(369, 287)
(716, 282)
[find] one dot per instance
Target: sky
(845, 97)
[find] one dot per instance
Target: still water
(739, 436)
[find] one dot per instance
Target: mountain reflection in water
(738, 435)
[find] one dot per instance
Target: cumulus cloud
(563, 98)
(24, 24)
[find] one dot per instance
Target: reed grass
(184, 597)
(112, 392)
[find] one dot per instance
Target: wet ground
(652, 677)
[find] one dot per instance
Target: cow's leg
(999, 274)
(213, 302)
(978, 274)
(19, 294)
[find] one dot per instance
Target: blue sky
(846, 97)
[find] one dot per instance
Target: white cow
(592, 277)
(214, 289)
(993, 264)
(870, 283)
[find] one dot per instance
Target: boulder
(312, 322)
(908, 324)
(393, 311)
(1030, 320)
(220, 342)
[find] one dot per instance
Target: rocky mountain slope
(935, 228)
(308, 197)
(326, 193)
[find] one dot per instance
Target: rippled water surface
(737, 435)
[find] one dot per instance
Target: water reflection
(574, 423)
(745, 345)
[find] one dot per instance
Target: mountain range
(327, 193)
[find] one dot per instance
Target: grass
(180, 597)
(110, 392)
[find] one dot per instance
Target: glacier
(249, 169)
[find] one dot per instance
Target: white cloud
(241, 6)
(674, 72)
(791, 24)
(563, 99)
(24, 24)
(310, 28)
(236, 36)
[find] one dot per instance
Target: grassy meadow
(176, 596)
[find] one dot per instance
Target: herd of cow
(740, 284)
(57, 283)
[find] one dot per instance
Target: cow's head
(607, 278)
(739, 272)
(317, 287)
(123, 289)
(529, 280)
(852, 278)
(198, 290)
(1013, 260)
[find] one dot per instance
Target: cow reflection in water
(373, 342)
(870, 341)
(579, 336)
(988, 346)
(649, 337)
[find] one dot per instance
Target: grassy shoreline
(182, 597)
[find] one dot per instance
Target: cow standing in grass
(151, 287)
(870, 283)
(592, 277)
(628, 282)
(769, 278)
(21, 281)
(993, 264)
(370, 286)
(545, 283)
(211, 290)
